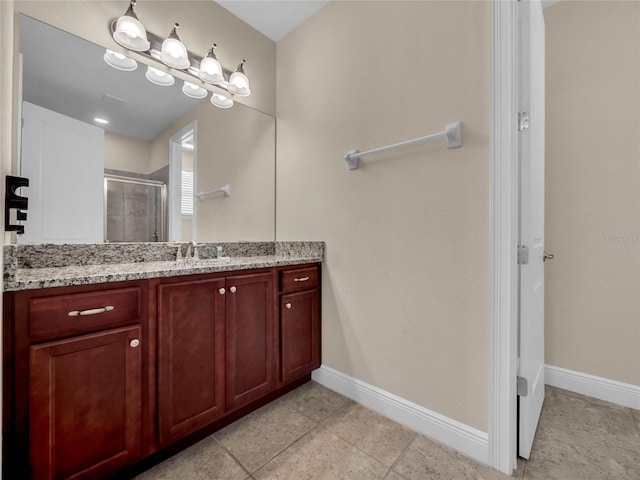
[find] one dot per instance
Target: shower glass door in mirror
(134, 210)
(109, 189)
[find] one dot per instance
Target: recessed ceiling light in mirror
(101, 121)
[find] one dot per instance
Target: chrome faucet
(192, 251)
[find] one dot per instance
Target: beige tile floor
(315, 433)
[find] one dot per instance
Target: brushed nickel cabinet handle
(301, 279)
(232, 289)
(92, 311)
(221, 291)
(288, 305)
(134, 343)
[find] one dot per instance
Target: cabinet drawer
(298, 279)
(63, 315)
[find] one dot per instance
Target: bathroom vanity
(108, 365)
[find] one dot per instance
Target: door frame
(504, 236)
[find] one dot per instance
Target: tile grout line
(232, 456)
(284, 449)
(402, 453)
(362, 451)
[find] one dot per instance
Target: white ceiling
(273, 18)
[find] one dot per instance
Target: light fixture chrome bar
(453, 134)
(226, 189)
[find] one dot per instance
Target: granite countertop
(59, 275)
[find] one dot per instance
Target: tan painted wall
(406, 280)
(593, 188)
(201, 24)
(235, 146)
(126, 153)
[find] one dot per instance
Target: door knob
(547, 256)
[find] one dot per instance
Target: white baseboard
(624, 394)
(468, 440)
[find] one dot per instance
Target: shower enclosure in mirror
(134, 209)
(88, 121)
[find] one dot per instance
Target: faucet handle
(195, 252)
(178, 251)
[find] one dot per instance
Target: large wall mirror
(113, 157)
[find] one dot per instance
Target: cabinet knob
(134, 343)
(288, 305)
(232, 289)
(221, 291)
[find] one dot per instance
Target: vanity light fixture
(119, 61)
(174, 53)
(159, 77)
(194, 91)
(210, 68)
(131, 34)
(221, 101)
(238, 82)
(129, 31)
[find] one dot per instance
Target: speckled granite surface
(43, 266)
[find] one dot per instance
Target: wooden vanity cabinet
(299, 322)
(215, 348)
(191, 355)
(100, 377)
(85, 404)
(250, 336)
(75, 371)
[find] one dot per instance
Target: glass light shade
(130, 33)
(221, 101)
(193, 91)
(174, 53)
(210, 68)
(119, 61)
(159, 77)
(239, 83)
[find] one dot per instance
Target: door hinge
(523, 387)
(523, 254)
(523, 121)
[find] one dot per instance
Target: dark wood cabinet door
(250, 338)
(299, 331)
(85, 404)
(191, 356)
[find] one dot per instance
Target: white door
(531, 152)
(63, 159)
